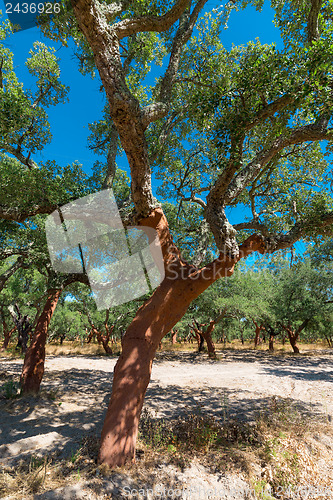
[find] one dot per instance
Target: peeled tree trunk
(293, 334)
(207, 334)
(33, 366)
(293, 337)
(6, 333)
(167, 305)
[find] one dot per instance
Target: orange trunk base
(33, 366)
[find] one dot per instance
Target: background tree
(301, 294)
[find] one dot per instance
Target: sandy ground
(240, 384)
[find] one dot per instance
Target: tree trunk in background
(7, 334)
(207, 335)
(106, 338)
(293, 337)
(90, 336)
(201, 342)
(174, 336)
(329, 340)
(33, 367)
(271, 343)
(23, 327)
(259, 328)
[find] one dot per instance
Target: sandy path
(239, 385)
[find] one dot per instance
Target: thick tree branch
(255, 225)
(322, 223)
(18, 215)
(269, 110)
(312, 26)
(129, 27)
(313, 132)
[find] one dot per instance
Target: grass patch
(282, 450)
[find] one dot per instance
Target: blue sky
(69, 122)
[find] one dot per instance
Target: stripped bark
(33, 367)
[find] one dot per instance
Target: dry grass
(281, 451)
(76, 348)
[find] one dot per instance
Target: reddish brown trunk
(102, 339)
(106, 339)
(259, 328)
(167, 305)
(7, 334)
(197, 338)
(174, 336)
(293, 337)
(33, 367)
(132, 372)
(90, 336)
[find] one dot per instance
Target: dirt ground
(76, 392)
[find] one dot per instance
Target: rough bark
(23, 327)
(33, 367)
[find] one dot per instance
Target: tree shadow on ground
(73, 402)
(248, 356)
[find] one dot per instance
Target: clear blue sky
(69, 122)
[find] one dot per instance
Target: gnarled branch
(128, 27)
